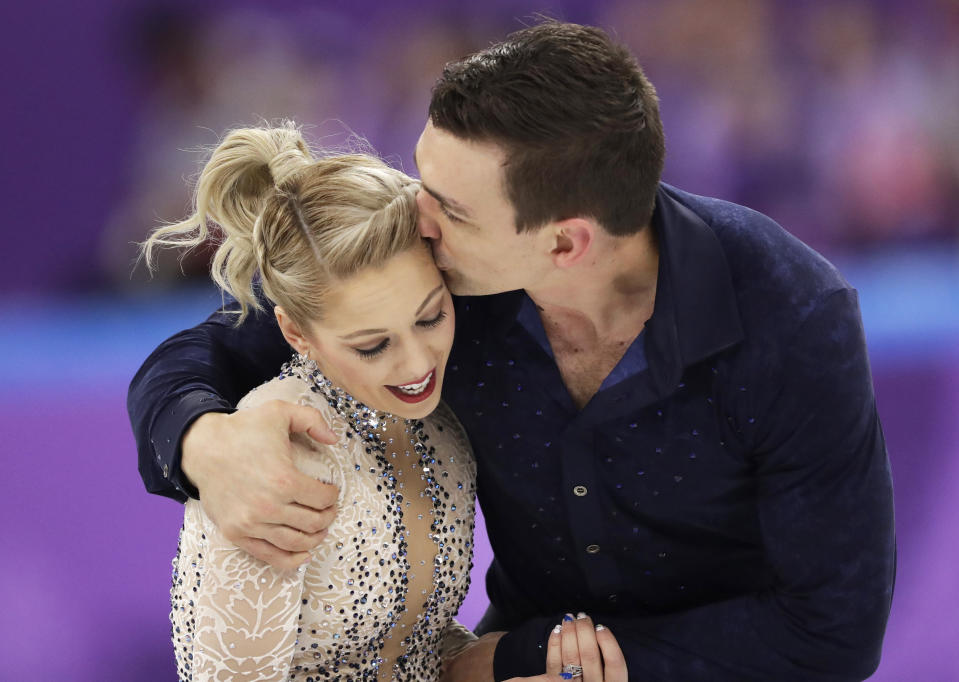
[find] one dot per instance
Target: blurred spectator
(208, 73)
(839, 119)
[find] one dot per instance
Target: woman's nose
(417, 362)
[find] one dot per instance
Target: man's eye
(370, 353)
(450, 215)
(434, 322)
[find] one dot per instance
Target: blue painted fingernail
(568, 616)
(566, 676)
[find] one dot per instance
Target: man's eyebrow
(366, 332)
(449, 203)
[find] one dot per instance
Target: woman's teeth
(415, 389)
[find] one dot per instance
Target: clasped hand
(579, 643)
(576, 642)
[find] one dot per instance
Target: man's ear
(572, 239)
(291, 331)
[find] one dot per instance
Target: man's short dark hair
(577, 118)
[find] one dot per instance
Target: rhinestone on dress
(358, 589)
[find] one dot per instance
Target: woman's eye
(434, 322)
(370, 353)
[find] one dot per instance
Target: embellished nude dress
(377, 599)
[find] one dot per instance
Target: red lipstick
(418, 397)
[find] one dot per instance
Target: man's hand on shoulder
(242, 465)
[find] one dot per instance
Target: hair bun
(291, 155)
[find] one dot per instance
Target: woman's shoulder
(289, 387)
(321, 461)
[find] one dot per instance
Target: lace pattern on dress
(236, 618)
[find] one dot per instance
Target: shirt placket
(582, 495)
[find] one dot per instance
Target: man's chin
(454, 282)
(463, 286)
(458, 285)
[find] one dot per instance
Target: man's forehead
(446, 161)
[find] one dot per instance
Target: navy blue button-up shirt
(723, 503)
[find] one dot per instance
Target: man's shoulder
(771, 269)
(477, 315)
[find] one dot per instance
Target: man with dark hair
(668, 395)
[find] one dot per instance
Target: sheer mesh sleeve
(235, 617)
(246, 611)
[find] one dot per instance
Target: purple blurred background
(839, 119)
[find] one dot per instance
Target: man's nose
(428, 227)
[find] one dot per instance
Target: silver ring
(571, 671)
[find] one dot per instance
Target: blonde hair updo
(299, 222)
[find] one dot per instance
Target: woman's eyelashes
(433, 322)
(370, 353)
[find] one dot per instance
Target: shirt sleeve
(204, 369)
(824, 496)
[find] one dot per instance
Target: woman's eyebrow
(429, 297)
(365, 332)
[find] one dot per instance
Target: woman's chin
(416, 410)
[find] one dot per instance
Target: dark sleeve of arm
(826, 515)
(204, 369)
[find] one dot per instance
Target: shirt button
(166, 471)
(613, 597)
(580, 491)
(592, 549)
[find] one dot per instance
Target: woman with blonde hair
(334, 244)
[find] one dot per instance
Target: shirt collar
(695, 314)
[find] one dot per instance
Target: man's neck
(608, 297)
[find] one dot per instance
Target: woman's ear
(291, 331)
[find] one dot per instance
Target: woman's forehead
(383, 296)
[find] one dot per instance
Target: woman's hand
(577, 643)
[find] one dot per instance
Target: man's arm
(204, 369)
(190, 443)
(824, 497)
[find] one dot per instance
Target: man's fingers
(306, 519)
(589, 656)
(317, 495)
(308, 420)
(614, 664)
(287, 539)
(554, 661)
(276, 557)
